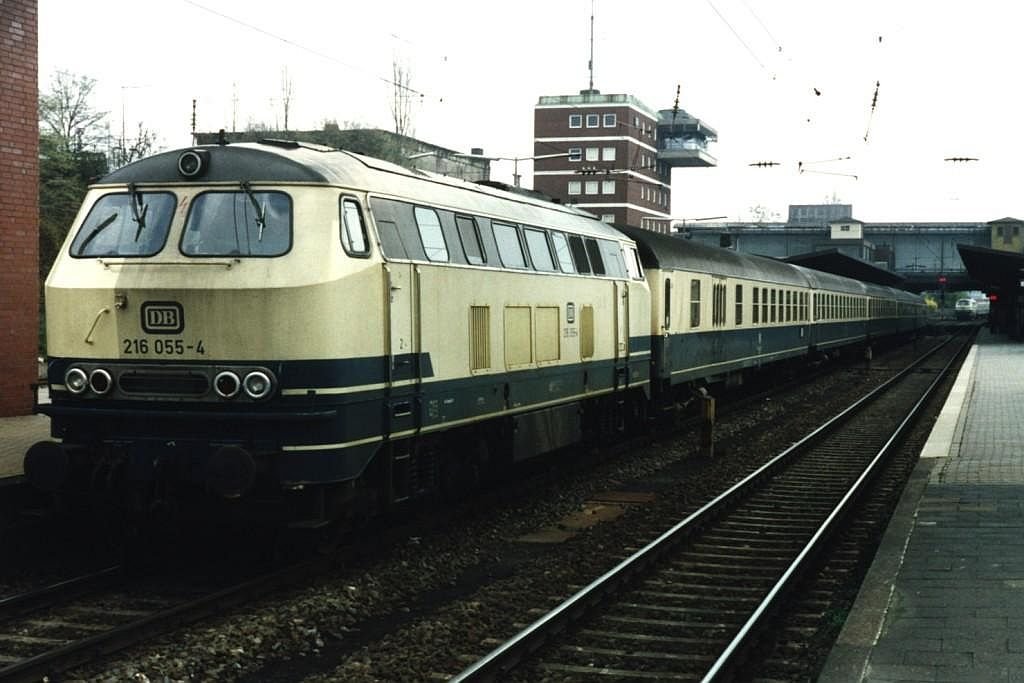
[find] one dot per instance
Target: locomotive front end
(181, 306)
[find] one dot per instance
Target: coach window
(430, 234)
(668, 304)
(509, 247)
(353, 231)
(739, 304)
(469, 235)
(756, 319)
(594, 252)
(694, 303)
(579, 254)
(562, 253)
(540, 252)
(772, 307)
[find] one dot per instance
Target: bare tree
(401, 100)
(128, 149)
(65, 112)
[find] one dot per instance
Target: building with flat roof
(613, 155)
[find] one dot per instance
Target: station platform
(944, 598)
(17, 434)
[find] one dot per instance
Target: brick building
(613, 155)
(19, 204)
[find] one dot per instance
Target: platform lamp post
(515, 161)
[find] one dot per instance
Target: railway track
(53, 629)
(692, 604)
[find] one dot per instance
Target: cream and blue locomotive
(303, 333)
(312, 331)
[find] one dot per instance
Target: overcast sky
(947, 73)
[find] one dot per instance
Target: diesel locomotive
(294, 332)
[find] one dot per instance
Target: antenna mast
(590, 64)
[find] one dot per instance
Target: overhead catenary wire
(304, 48)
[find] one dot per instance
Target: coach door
(621, 333)
(403, 342)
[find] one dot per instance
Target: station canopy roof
(992, 267)
(832, 261)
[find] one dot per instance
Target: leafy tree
(72, 137)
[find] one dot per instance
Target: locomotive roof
(291, 162)
(671, 253)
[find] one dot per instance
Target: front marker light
(99, 381)
(257, 385)
(226, 384)
(76, 380)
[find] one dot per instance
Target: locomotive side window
(636, 271)
(611, 255)
(562, 252)
(509, 248)
(540, 252)
(353, 230)
(246, 223)
(125, 224)
(579, 254)
(594, 252)
(431, 235)
(469, 235)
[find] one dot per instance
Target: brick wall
(19, 204)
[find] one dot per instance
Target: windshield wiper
(139, 217)
(97, 230)
(261, 211)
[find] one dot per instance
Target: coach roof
(672, 253)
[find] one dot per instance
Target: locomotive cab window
(245, 223)
(353, 229)
(125, 224)
(431, 235)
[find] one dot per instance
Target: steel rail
(507, 655)
(750, 628)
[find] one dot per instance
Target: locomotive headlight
(226, 384)
(193, 163)
(257, 385)
(76, 380)
(99, 381)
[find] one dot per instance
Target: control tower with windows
(613, 155)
